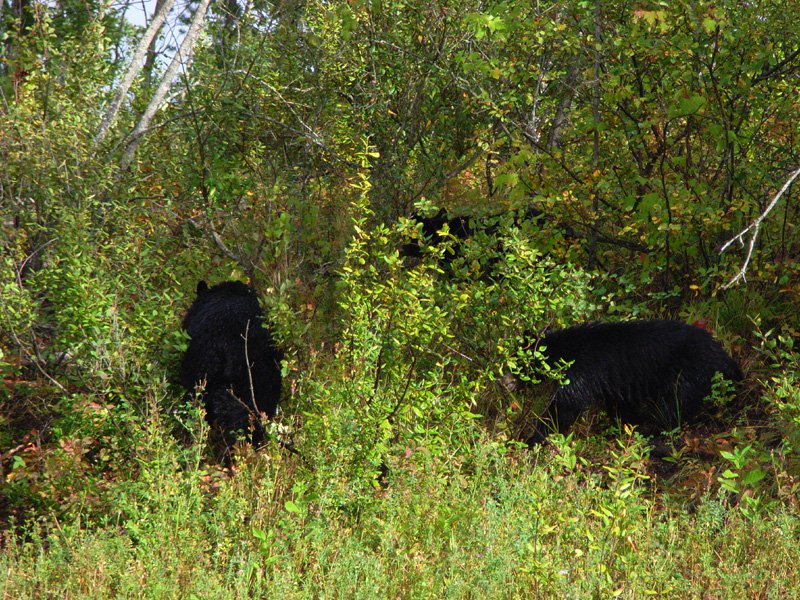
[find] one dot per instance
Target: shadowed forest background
(603, 153)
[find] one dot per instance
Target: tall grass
(494, 524)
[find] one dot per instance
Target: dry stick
(134, 68)
(181, 57)
(222, 246)
(755, 225)
(249, 376)
(259, 417)
(258, 422)
(250, 370)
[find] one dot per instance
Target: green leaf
(691, 105)
(753, 477)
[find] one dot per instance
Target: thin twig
(464, 356)
(250, 369)
(754, 226)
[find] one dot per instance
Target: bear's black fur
(239, 383)
(654, 374)
(463, 228)
(460, 228)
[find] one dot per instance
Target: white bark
(181, 57)
(135, 66)
(754, 226)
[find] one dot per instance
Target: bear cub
(654, 374)
(231, 359)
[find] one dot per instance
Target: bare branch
(767, 73)
(217, 238)
(182, 56)
(250, 370)
(754, 227)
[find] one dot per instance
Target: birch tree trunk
(137, 62)
(150, 60)
(182, 56)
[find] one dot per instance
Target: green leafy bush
(422, 345)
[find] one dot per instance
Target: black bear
(240, 381)
(654, 374)
(462, 229)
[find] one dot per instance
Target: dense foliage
(292, 151)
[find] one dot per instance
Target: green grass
(486, 524)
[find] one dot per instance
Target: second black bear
(654, 374)
(463, 229)
(459, 227)
(240, 381)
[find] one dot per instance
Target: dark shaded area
(459, 227)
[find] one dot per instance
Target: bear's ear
(202, 286)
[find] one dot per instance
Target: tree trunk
(133, 69)
(182, 56)
(150, 61)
